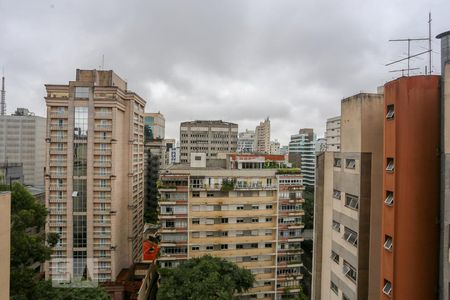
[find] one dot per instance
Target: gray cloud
(238, 60)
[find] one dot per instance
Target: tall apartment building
(333, 133)
(238, 210)
(22, 140)
(94, 176)
(5, 245)
(262, 132)
(246, 141)
(275, 147)
(410, 228)
(209, 137)
(154, 126)
(444, 272)
(348, 197)
(302, 153)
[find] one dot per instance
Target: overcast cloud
(239, 61)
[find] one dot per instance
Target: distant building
(263, 137)
(284, 150)
(11, 172)
(302, 154)
(321, 145)
(242, 209)
(154, 126)
(209, 137)
(5, 245)
(333, 134)
(22, 140)
(247, 142)
(275, 147)
(94, 176)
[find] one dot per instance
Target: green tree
(206, 277)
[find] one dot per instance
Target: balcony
(58, 151)
(57, 223)
(58, 127)
(58, 187)
(103, 115)
(103, 140)
(103, 127)
(99, 187)
(102, 174)
(56, 211)
(99, 151)
(98, 222)
(58, 175)
(58, 162)
(58, 138)
(59, 114)
(102, 163)
(102, 246)
(56, 199)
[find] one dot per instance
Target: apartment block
(154, 126)
(348, 196)
(247, 142)
(302, 153)
(209, 137)
(444, 272)
(333, 133)
(410, 228)
(94, 176)
(275, 147)
(22, 140)
(5, 245)
(262, 132)
(238, 209)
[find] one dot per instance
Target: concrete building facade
(333, 133)
(275, 147)
(410, 228)
(209, 137)
(5, 245)
(247, 141)
(22, 140)
(262, 132)
(302, 153)
(154, 125)
(94, 176)
(348, 205)
(239, 210)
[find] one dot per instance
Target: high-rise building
(22, 140)
(94, 176)
(275, 147)
(302, 153)
(348, 197)
(154, 126)
(444, 272)
(262, 132)
(238, 209)
(246, 142)
(321, 145)
(410, 229)
(209, 137)
(5, 245)
(333, 133)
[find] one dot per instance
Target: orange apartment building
(410, 213)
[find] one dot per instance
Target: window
(269, 206)
(337, 162)
(82, 92)
(389, 198)
(390, 112)
(224, 246)
(345, 297)
(239, 246)
(268, 219)
(79, 231)
(79, 159)
(198, 158)
(210, 247)
(336, 226)
(350, 164)
(388, 242)
(195, 248)
(334, 287)
(387, 288)
(80, 130)
(240, 207)
(196, 221)
(195, 194)
(335, 257)
(170, 224)
(268, 245)
(350, 236)
(390, 164)
(349, 271)
(224, 233)
(224, 220)
(337, 194)
(351, 201)
(239, 220)
(255, 220)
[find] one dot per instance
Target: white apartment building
(302, 154)
(247, 141)
(22, 140)
(333, 133)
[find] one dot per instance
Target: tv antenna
(3, 95)
(408, 58)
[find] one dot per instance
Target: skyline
(234, 61)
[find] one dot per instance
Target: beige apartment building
(235, 209)
(333, 133)
(5, 245)
(22, 140)
(95, 176)
(262, 137)
(347, 216)
(209, 137)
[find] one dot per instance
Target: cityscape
(108, 190)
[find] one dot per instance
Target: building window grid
(351, 201)
(349, 271)
(350, 236)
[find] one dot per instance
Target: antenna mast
(3, 96)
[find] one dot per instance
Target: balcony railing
(59, 114)
(99, 151)
(58, 187)
(58, 127)
(102, 127)
(58, 151)
(103, 115)
(102, 163)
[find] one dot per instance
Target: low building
(5, 245)
(11, 172)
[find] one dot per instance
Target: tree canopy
(206, 277)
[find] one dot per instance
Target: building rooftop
(209, 122)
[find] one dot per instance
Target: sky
(233, 60)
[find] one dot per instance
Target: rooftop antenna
(409, 40)
(3, 95)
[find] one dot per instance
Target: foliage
(308, 207)
(228, 185)
(44, 290)
(206, 277)
(288, 171)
